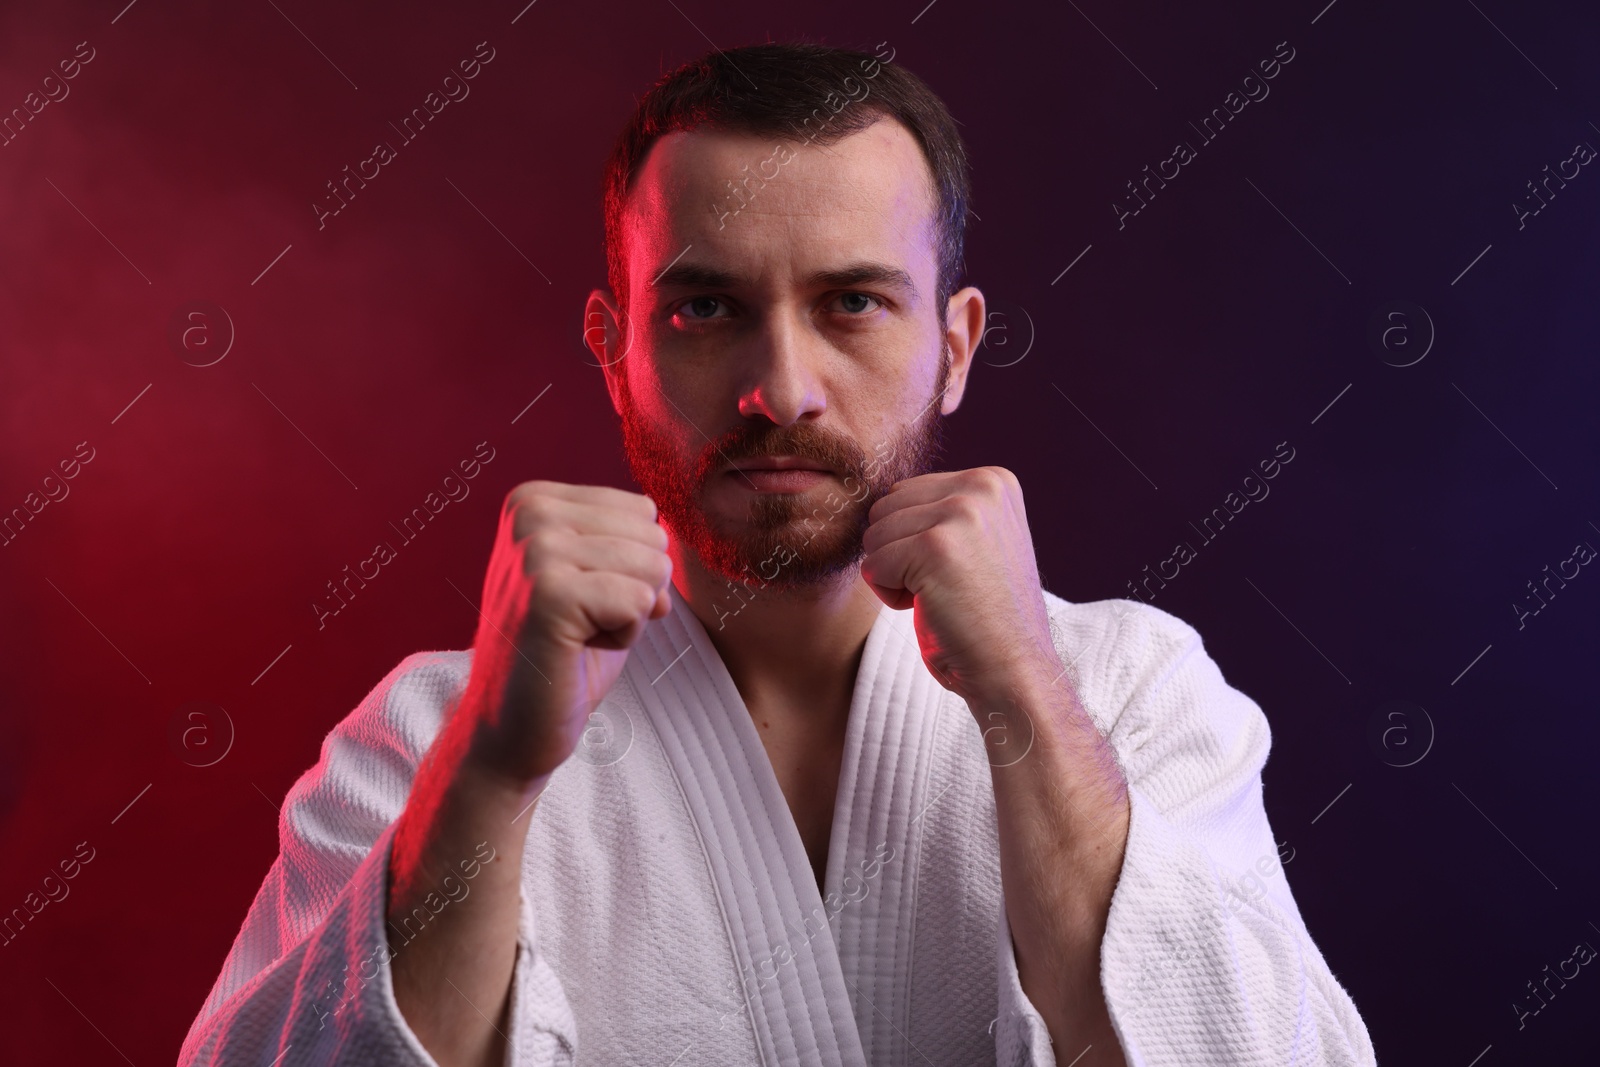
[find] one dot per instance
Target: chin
(780, 544)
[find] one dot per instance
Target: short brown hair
(769, 89)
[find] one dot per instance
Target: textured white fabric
(670, 914)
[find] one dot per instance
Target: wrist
(489, 745)
(491, 775)
(1023, 683)
(457, 810)
(458, 793)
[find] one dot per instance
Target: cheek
(652, 421)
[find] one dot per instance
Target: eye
(858, 303)
(701, 308)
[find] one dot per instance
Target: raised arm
(1204, 958)
(392, 927)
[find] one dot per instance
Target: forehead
(744, 202)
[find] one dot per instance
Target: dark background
(1220, 321)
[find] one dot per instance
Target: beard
(808, 542)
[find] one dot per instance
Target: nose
(783, 384)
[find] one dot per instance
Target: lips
(779, 463)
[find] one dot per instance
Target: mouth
(778, 463)
(777, 474)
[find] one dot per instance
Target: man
(705, 791)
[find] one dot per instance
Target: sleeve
(308, 979)
(1205, 960)
(1021, 1038)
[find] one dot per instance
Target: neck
(791, 652)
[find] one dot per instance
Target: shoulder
(1120, 643)
(1149, 684)
(369, 759)
(402, 714)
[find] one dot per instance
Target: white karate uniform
(670, 914)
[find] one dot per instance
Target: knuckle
(526, 497)
(551, 589)
(523, 490)
(538, 509)
(943, 540)
(995, 480)
(530, 518)
(638, 596)
(968, 509)
(539, 545)
(1006, 476)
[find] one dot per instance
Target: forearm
(1063, 817)
(452, 962)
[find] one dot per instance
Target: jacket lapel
(896, 716)
(787, 963)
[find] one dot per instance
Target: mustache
(838, 454)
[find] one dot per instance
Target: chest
(675, 890)
(652, 888)
(807, 768)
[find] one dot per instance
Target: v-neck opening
(860, 698)
(766, 888)
(866, 905)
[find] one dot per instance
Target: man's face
(789, 323)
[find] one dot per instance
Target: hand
(955, 547)
(575, 573)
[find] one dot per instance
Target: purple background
(1224, 318)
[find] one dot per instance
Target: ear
(606, 336)
(965, 319)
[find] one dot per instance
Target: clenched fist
(576, 572)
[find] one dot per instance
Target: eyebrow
(696, 276)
